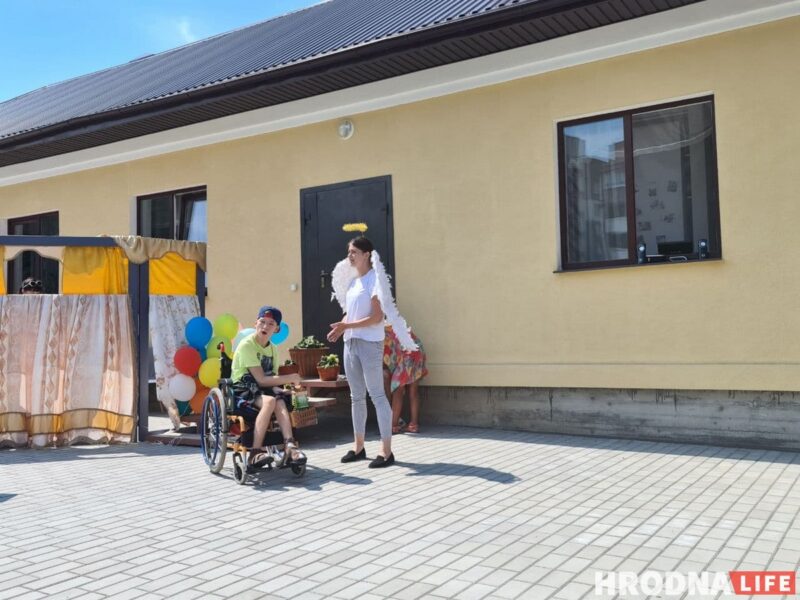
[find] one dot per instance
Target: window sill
(628, 266)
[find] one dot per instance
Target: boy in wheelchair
(255, 363)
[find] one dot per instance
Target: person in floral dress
(403, 370)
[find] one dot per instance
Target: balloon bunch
(198, 363)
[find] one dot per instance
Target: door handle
(322, 275)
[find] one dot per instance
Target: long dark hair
(362, 244)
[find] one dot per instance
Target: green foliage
(329, 360)
(309, 342)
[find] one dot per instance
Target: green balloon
(226, 326)
(213, 352)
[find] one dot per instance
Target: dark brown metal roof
(327, 47)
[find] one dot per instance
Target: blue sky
(46, 41)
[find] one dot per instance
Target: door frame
(307, 221)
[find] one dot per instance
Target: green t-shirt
(249, 353)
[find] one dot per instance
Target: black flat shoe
(353, 456)
(379, 462)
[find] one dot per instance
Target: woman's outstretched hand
(337, 330)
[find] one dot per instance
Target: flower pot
(307, 359)
(328, 373)
(288, 369)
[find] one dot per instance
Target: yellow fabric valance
(2, 271)
(94, 270)
(173, 275)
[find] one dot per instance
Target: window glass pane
(155, 217)
(30, 264)
(674, 173)
(192, 210)
(597, 226)
(48, 224)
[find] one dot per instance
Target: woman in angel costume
(361, 286)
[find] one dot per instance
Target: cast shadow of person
(458, 470)
(314, 479)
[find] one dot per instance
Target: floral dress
(405, 367)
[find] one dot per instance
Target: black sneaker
(379, 462)
(353, 456)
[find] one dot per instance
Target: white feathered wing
(343, 275)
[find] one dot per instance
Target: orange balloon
(200, 396)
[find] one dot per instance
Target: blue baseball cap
(270, 311)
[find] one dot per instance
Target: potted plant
(288, 368)
(328, 367)
(306, 354)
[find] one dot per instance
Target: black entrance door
(323, 211)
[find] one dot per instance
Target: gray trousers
(363, 363)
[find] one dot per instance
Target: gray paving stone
(569, 507)
(20, 594)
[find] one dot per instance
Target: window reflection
(597, 228)
(673, 176)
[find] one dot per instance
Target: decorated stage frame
(137, 289)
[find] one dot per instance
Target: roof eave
(451, 42)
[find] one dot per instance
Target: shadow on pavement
(334, 432)
(285, 480)
(457, 470)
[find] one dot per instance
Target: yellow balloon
(213, 352)
(226, 326)
(209, 372)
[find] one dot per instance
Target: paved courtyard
(465, 513)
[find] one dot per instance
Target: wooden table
(315, 385)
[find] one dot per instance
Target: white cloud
(184, 30)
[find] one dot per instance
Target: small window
(179, 215)
(639, 187)
(28, 263)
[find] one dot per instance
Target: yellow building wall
(476, 224)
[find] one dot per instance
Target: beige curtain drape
(168, 317)
(66, 369)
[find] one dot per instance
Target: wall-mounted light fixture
(346, 129)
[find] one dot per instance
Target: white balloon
(182, 387)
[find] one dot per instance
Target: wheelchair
(224, 429)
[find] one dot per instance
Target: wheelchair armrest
(225, 383)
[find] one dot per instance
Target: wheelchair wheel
(299, 470)
(239, 468)
(214, 431)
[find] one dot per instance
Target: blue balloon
(241, 335)
(198, 332)
(281, 336)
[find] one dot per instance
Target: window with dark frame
(176, 215)
(29, 263)
(639, 186)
